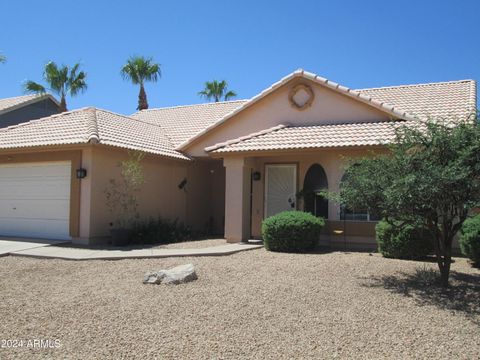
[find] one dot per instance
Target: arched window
(315, 182)
(355, 214)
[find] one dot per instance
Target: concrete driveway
(10, 245)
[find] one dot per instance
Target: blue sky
(251, 44)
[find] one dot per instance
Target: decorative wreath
(295, 90)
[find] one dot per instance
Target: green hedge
(403, 241)
(291, 231)
(470, 239)
(161, 231)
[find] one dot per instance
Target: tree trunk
(443, 252)
(63, 104)
(142, 99)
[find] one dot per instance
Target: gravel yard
(253, 304)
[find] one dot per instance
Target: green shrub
(291, 231)
(162, 231)
(470, 239)
(408, 241)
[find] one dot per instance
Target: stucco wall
(205, 191)
(328, 107)
(159, 196)
(202, 197)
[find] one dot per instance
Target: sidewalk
(66, 253)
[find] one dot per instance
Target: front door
(280, 188)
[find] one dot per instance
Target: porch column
(237, 199)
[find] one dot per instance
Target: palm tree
(216, 90)
(138, 70)
(3, 58)
(61, 80)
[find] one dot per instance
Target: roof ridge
(92, 127)
(44, 118)
(190, 105)
(416, 85)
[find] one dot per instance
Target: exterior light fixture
(182, 184)
(256, 176)
(81, 173)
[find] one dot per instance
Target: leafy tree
(138, 70)
(216, 90)
(62, 80)
(431, 174)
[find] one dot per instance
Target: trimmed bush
(403, 241)
(291, 231)
(470, 239)
(161, 231)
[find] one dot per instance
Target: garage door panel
(39, 209)
(58, 189)
(35, 199)
(54, 229)
(33, 170)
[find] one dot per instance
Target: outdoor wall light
(81, 173)
(256, 176)
(182, 184)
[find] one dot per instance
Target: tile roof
(393, 111)
(284, 137)
(450, 100)
(89, 125)
(183, 122)
(9, 104)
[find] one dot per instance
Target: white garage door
(35, 200)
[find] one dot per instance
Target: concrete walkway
(70, 253)
(11, 245)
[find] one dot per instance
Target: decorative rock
(177, 275)
(152, 278)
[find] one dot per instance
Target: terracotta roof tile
(89, 125)
(453, 100)
(314, 137)
(183, 122)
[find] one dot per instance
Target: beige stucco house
(240, 161)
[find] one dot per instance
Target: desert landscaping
(254, 304)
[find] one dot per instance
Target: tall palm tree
(61, 80)
(216, 90)
(3, 58)
(138, 70)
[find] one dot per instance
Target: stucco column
(237, 199)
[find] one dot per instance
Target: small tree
(432, 175)
(121, 196)
(216, 90)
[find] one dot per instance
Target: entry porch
(260, 185)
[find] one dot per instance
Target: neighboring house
(20, 109)
(242, 160)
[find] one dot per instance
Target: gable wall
(328, 107)
(29, 112)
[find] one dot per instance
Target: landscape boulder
(177, 275)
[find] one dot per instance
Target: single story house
(238, 161)
(19, 109)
